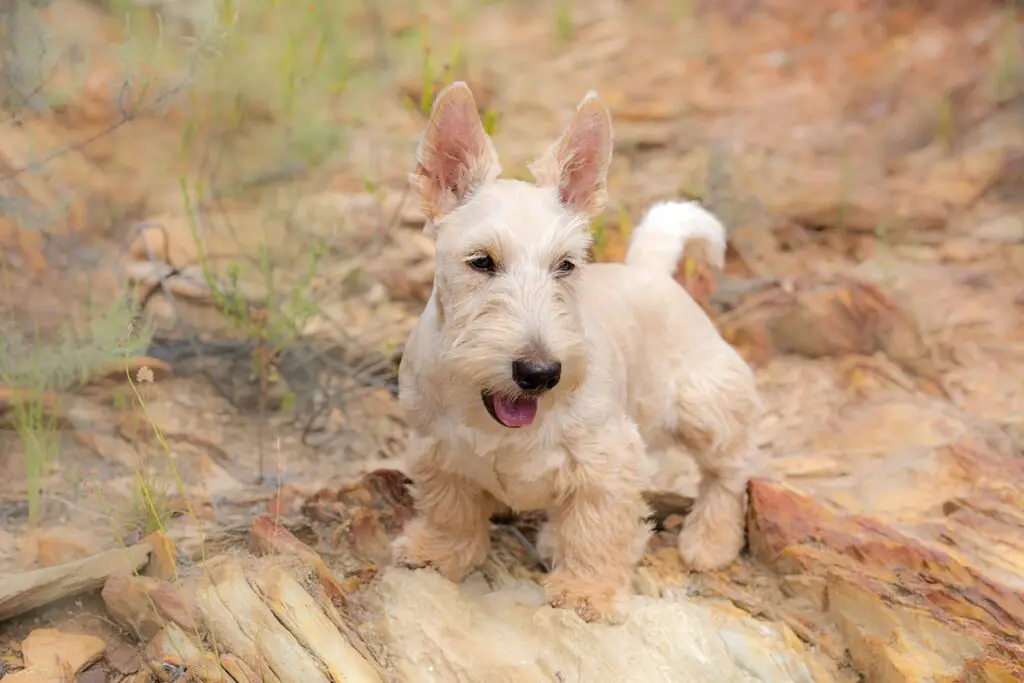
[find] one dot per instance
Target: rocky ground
(869, 160)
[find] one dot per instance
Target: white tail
(660, 240)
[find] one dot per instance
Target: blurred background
(210, 259)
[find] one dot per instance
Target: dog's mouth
(511, 412)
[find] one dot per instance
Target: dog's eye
(483, 263)
(564, 268)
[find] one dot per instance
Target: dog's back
(657, 329)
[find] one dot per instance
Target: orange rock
(906, 611)
(814, 318)
(145, 605)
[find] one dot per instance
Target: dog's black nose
(533, 376)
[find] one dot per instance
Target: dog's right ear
(455, 154)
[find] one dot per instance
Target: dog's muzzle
(533, 378)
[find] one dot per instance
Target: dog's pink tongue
(515, 413)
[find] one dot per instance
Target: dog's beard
(478, 355)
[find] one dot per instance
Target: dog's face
(509, 254)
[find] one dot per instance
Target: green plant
(602, 236)
(1007, 76)
(563, 20)
(37, 428)
(271, 321)
(882, 239)
(944, 131)
(38, 370)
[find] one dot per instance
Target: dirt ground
(867, 157)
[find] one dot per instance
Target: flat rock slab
(442, 632)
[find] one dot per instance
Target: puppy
(537, 380)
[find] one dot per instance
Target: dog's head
(509, 253)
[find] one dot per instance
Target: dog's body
(536, 380)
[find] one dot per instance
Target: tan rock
(163, 563)
(301, 615)
(438, 631)
(803, 191)
(967, 251)
(56, 651)
(20, 593)
(246, 627)
(1007, 229)
(60, 545)
(108, 447)
(239, 671)
(170, 649)
(33, 676)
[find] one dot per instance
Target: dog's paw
(706, 547)
(592, 602)
(403, 554)
(420, 547)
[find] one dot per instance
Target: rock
(438, 631)
(253, 629)
(301, 615)
(63, 544)
(1004, 230)
(169, 650)
(906, 611)
(93, 675)
(23, 592)
(966, 251)
(144, 605)
(239, 671)
(124, 658)
(162, 563)
(268, 537)
(56, 654)
(108, 447)
(813, 196)
(33, 676)
(815, 318)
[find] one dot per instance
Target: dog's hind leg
(717, 404)
(452, 531)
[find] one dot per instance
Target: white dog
(536, 380)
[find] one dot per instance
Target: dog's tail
(660, 240)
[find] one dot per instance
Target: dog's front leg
(452, 530)
(598, 531)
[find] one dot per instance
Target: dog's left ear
(577, 163)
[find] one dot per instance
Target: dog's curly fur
(641, 367)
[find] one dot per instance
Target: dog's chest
(519, 478)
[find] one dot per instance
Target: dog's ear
(577, 163)
(455, 153)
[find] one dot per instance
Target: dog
(535, 379)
